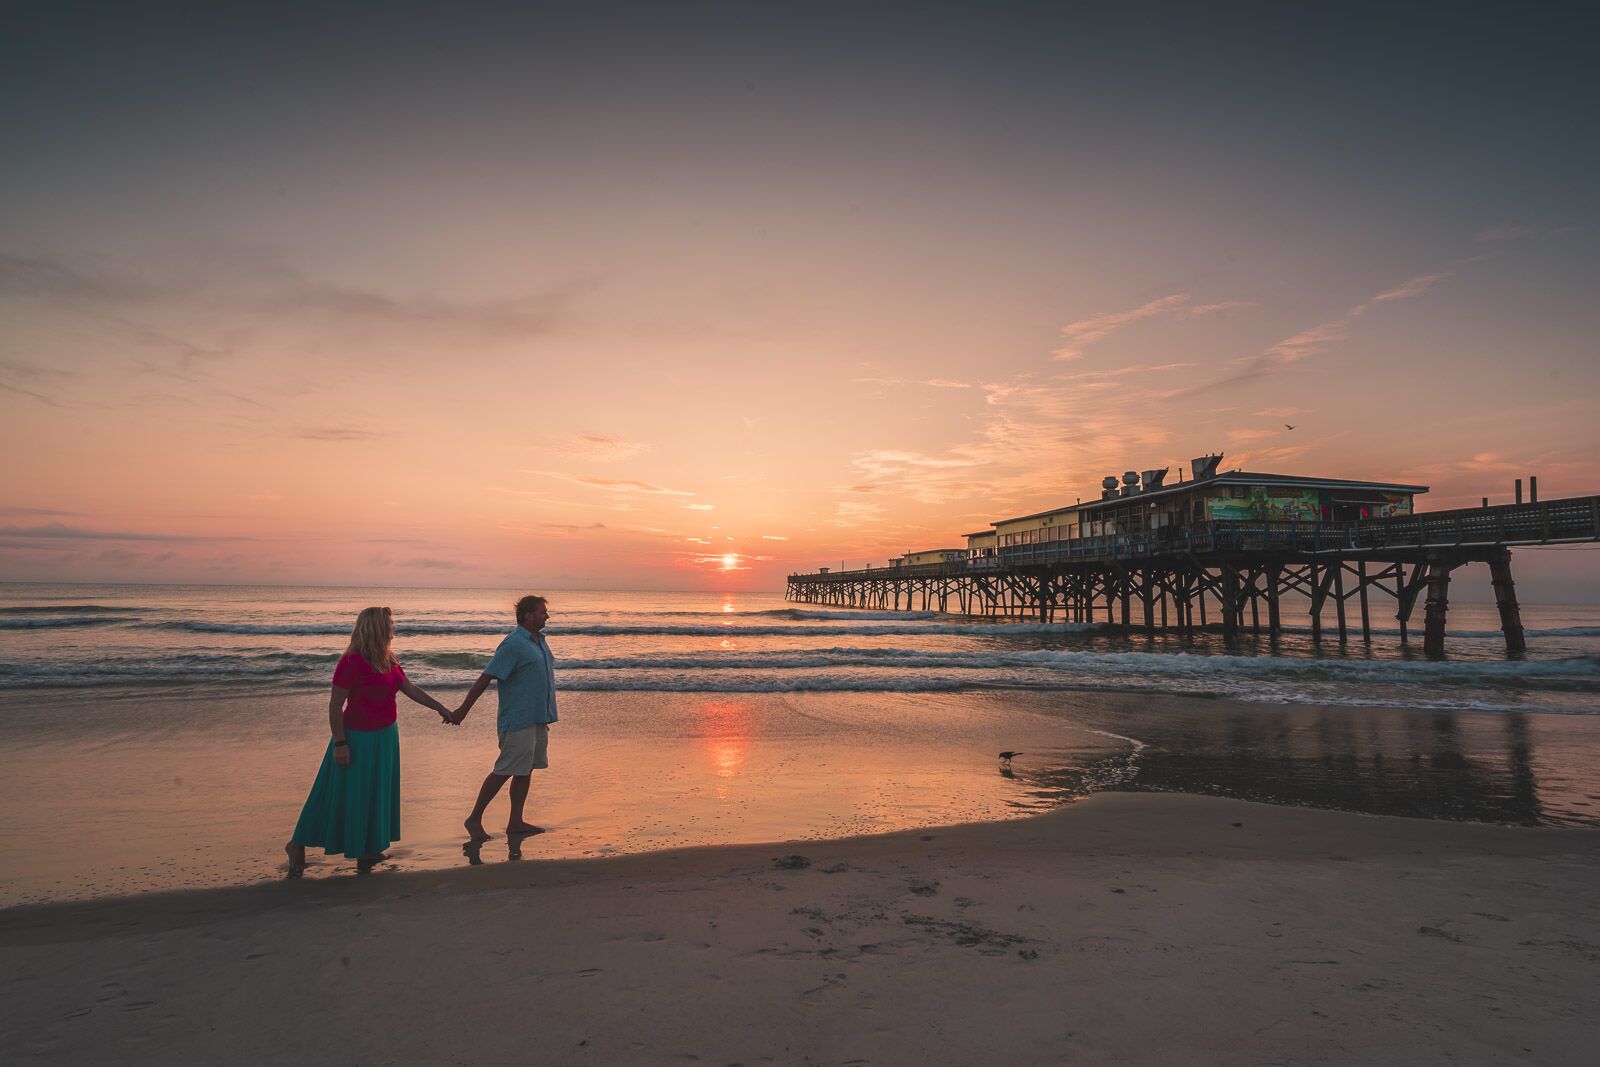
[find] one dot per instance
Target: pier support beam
(1505, 598)
(1434, 612)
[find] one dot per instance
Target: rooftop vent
(1153, 479)
(1130, 483)
(1205, 466)
(1108, 487)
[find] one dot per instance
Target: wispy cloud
(1409, 290)
(1314, 340)
(1078, 335)
(597, 448)
(932, 383)
(56, 531)
(337, 433)
(700, 507)
(1520, 233)
(33, 382)
(611, 485)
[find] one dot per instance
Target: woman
(354, 806)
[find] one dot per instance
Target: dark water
(1514, 768)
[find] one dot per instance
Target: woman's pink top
(371, 702)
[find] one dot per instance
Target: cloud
(49, 279)
(772, 537)
(849, 513)
(611, 485)
(1098, 327)
(337, 433)
(1244, 437)
(1520, 233)
(1412, 288)
(886, 461)
(932, 383)
(700, 507)
(573, 527)
(427, 563)
(1313, 341)
(33, 382)
(1310, 342)
(37, 512)
(600, 449)
(1224, 309)
(56, 531)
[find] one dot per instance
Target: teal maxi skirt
(355, 809)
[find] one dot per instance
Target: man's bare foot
(297, 859)
(524, 828)
(476, 831)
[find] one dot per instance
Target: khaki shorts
(523, 751)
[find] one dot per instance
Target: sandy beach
(1127, 928)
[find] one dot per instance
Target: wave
(26, 623)
(67, 609)
(870, 668)
(640, 630)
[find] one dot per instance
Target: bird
(1286, 426)
(1006, 757)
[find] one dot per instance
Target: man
(526, 672)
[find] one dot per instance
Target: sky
(691, 296)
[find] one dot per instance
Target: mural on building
(1261, 503)
(1394, 504)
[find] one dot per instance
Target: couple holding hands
(354, 806)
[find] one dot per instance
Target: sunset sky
(672, 296)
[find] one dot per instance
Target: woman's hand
(341, 755)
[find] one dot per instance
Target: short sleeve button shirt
(526, 672)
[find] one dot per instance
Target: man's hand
(341, 755)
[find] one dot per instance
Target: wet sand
(189, 794)
(1130, 928)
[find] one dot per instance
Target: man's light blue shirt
(527, 675)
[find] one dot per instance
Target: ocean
(164, 723)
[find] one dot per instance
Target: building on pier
(1140, 503)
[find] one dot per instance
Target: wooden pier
(1182, 578)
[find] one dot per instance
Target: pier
(1231, 574)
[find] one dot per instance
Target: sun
(730, 562)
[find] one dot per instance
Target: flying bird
(1286, 426)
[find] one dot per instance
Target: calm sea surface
(160, 737)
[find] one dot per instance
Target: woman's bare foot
(297, 859)
(524, 828)
(373, 857)
(476, 831)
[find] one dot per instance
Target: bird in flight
(1286, 426)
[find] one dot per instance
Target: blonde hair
(370, 638)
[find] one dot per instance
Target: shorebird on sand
(1006, 757)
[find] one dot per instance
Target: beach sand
(1126, 928)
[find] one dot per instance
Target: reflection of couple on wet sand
(354, 806)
